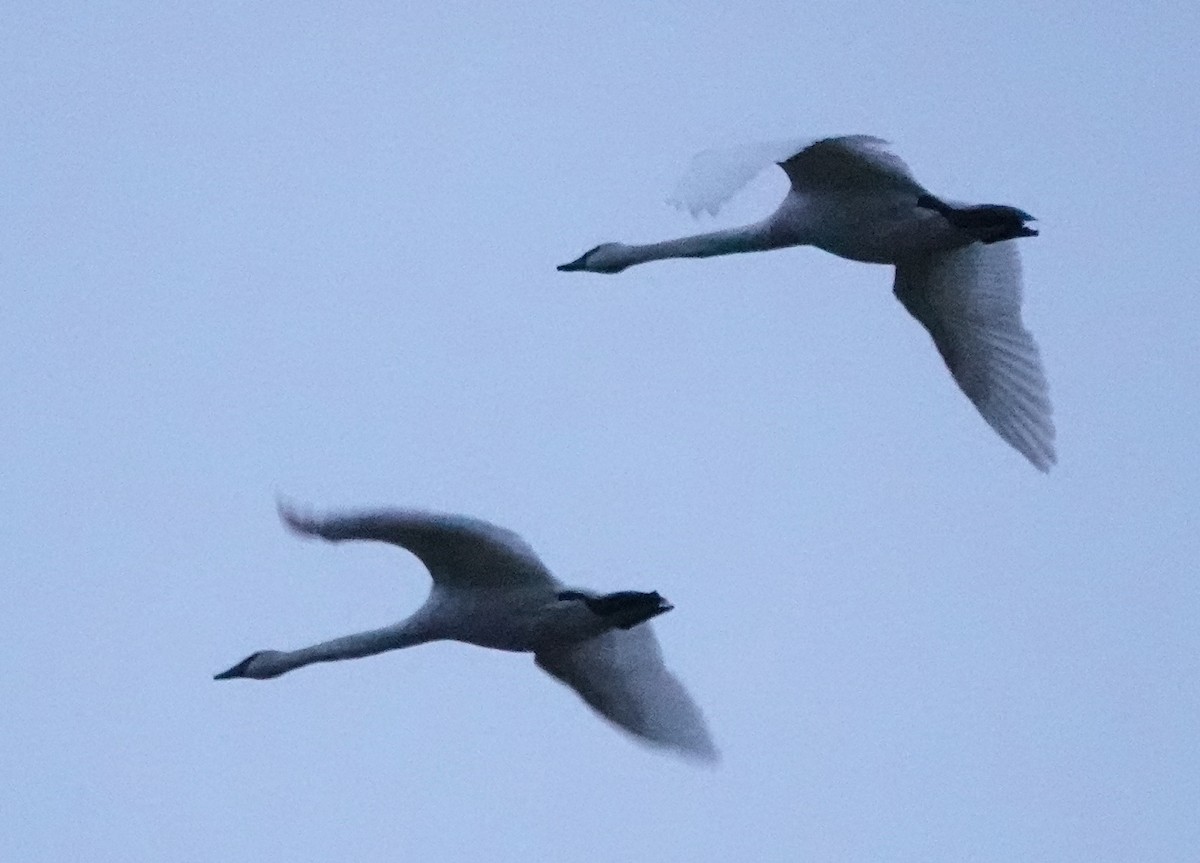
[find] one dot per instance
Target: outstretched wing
(621, 675)
(843, 163)
(969, 300)
(457, 550)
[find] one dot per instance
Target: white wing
(970, 301)
(715, 175)
(843, 163)
(457, 550)
(621, 675)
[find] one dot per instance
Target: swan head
(262, 665)
(988, 223)
(605, 258)
(624, 609)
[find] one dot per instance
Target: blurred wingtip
(709, 757)
(297, 519)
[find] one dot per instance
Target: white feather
(714, 176)
(844, 163)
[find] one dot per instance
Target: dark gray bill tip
(1022, 231)
(577, 264)
(238, 670)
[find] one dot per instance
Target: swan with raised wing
(492, 590)
(957, 270)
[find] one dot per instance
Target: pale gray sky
(309, 248)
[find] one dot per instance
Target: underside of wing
(969, 300)
(456, 549)
(622, 677)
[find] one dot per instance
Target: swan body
(957, 271)
(490, 589)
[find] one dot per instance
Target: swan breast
(520, 621)
(865, 227)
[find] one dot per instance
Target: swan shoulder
(849, 163)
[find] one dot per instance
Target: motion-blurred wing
(970, 301)
(715, 175)
(621, 675)
(457, 550)
(844, 163)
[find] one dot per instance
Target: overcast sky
(308, 249)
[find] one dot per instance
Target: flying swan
(490, 589)
(955, 271)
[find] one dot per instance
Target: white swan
(850, 196)
(490, 589)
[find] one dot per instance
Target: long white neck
(748, 238)
(407, 633)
